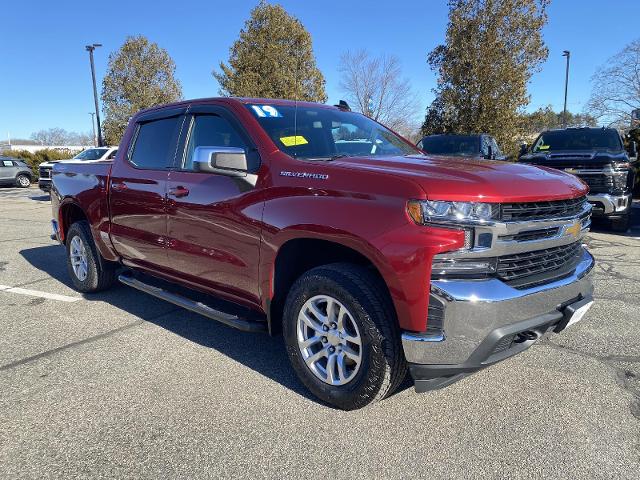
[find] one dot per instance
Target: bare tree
(51, 136)
(616, 88)
(60, 136)
(376, 88)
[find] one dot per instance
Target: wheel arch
(69, 213)
(300, 254)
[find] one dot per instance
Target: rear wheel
(342, 336)
(23, 181)
(88, 271)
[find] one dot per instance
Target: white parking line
(36, 293)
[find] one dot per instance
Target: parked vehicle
(15, 172)
(597, 156)
(322, 224)
(93, 154)
(468, 146)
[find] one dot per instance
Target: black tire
(383, 366)
(23, 181)
(621, 224)
(100, 274)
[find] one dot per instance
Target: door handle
(179, 192)
(118, 186)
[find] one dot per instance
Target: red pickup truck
(310, 220)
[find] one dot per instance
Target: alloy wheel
(329, 340)
(78, 256)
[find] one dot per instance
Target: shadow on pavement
(260, 352)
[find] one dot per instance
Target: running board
(196, 307)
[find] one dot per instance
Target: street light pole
(567, 54)
(90, 49)
(93, 128)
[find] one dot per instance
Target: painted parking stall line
(36, 293)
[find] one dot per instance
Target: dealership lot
(120, 384)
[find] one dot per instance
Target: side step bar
(196, 307)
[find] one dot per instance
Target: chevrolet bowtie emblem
(573, 230)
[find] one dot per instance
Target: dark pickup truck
(371, 258)
(597, 156)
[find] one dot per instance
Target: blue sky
(45, 76)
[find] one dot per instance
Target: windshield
(327, 133)
(579, 139)
(91, 154)
(465, 145)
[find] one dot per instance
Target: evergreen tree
(140, 75)
(492, 48)
(273, 58)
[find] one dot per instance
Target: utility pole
(93, 128)
(90, 49)
(567, 54)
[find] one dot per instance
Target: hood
(51, 163)
(575, 158)
(468, 179)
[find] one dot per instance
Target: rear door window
(155, 143)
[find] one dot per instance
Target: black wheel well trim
(292, 261)
(70, 213)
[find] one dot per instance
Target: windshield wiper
(339, 155)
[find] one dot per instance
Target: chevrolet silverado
(316, 222)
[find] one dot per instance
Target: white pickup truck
(94, 154)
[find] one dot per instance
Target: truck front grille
(514, 212)
(598, 183)
(522, 270)
(529, 235)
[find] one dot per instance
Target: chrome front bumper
(474, 309)
(611, 204)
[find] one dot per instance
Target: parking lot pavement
(121, 385)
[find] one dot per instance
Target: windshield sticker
(543, 147)
(293, 140)
(266, 111)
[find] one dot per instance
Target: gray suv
(15, 172)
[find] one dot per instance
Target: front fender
(376, 226)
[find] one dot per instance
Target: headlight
(438, 211)
(620, 179)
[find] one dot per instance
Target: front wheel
(89, 273)
(23, 181)
(342, 337)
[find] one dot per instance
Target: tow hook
(525, 336)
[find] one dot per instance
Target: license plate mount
(574, 313)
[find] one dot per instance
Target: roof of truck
(243, 100)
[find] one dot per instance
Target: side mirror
(524, 148)
(489, 152)
(230, 161)
(633, 149)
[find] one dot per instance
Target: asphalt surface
(121, 385)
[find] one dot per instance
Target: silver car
(15, 172)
